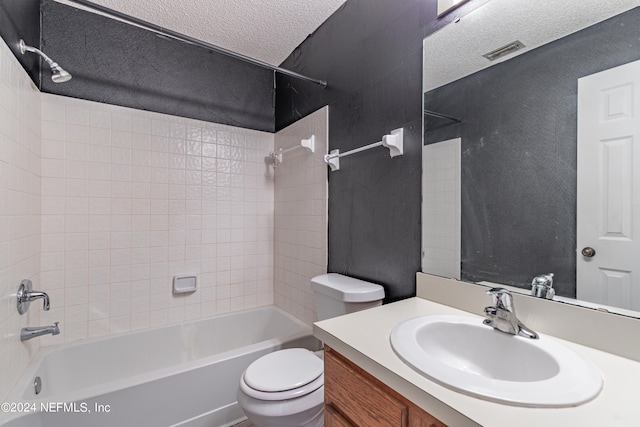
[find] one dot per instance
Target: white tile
(54, 168)
(52, 149)
(53, 130)
(76, 115)
(141, 125)
(52, 111)
(77, 133)
(160, 128)
(76, 169)
(121, 122)
(128, 198)
(100, 136)
(120, 139)
(100, 119)
(120, 324)
(98, 328)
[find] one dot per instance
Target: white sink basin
(464, 355)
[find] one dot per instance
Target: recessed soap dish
(184, 284)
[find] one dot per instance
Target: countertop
(363, 337)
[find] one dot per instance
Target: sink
(464, 355)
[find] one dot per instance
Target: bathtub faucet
(28, 333)
(26, 294)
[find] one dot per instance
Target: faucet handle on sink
(502, 298)
(502, 315)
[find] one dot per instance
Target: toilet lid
(283, 370)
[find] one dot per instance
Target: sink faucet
(542, 286)
(502, 315)
(28, 333)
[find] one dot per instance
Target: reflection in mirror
(523, 119)
(446, 6)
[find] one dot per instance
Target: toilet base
(305, 411)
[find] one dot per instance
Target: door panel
(608, 211)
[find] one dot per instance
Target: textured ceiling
(267, 30)
(456, 50)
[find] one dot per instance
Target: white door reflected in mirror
(608, 172)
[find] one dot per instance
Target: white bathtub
(185, 375)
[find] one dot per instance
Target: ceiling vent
(504, 50)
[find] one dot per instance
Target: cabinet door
(332, 418)
(420, 418)
(359, 396)
(354, 398)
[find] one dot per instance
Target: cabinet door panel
(332, 418)
(420, 418)
(359, 398)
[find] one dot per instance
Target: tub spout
(28, 333)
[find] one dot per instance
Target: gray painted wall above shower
(120, 64)
(20, 19)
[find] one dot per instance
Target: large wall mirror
(531, 112)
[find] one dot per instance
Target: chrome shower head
(58, 74)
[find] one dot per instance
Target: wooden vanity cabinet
(354, 398)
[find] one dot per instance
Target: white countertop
(363, 337)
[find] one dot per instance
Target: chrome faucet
(28, 333)
(25, 295)
(542, 286)
(502, 315)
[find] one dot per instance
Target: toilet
(286, 388)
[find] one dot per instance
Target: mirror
(514, 124)
(446, 6)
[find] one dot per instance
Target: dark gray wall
(121, 64)
(519, 139)
(20, 19)
(370, 53)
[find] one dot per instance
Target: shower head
(58, 74)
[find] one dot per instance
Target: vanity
(508, 194)
(367, 384)
(351, 393)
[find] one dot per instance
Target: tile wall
(301, 215)
(441, 208)
(102, 205)
(19, 212)
(132, 198)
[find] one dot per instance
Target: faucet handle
(542, 286)
(543, 280)
(26, 294)
(22, 296)
(502, 298)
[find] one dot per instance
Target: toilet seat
(282, 395)
(282, 375)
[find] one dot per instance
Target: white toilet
(286, 388)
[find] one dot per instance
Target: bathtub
(184, 375)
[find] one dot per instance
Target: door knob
(588, 252)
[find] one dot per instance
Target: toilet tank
(335, 295)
